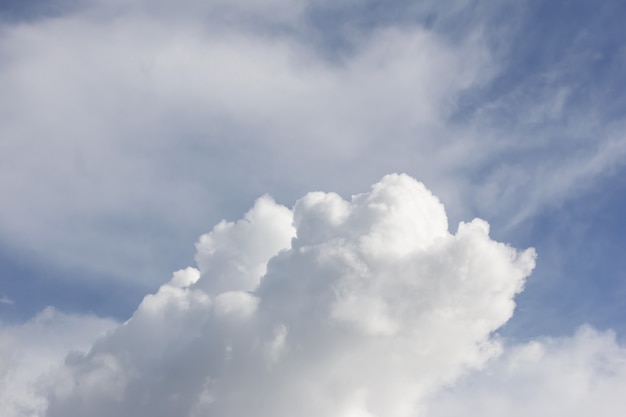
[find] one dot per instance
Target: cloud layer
(363, 307)
(176, 97)
(174, 105)
(128, 126)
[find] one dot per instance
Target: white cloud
(575, 376)
(234, 255)
(363, 307)
(371, 308)
(117, 125)
(28, 351)
(127, 126)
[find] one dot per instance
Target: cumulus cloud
(360, 307)
(30, 350)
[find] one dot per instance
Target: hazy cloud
(127, 125)
(117, 127)
(6, 300)
(573, 376)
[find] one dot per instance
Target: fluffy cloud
(30, 350)
(573, 376)
(363, 307)
(126, 125)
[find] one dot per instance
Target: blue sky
(129, 129)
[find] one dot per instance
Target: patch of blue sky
(29, 10)
(579, 278)
(569, 56)
(32, 285)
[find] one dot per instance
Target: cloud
(173, 105)
(360, 307)
(6, 300)
(128, 126)
(30, 350)
(191, 102)
(570, 376)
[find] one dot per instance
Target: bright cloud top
(335, 308)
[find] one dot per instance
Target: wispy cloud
(6, 300)
(185, 113)
(174, 107)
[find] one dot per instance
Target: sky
(351, 209)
